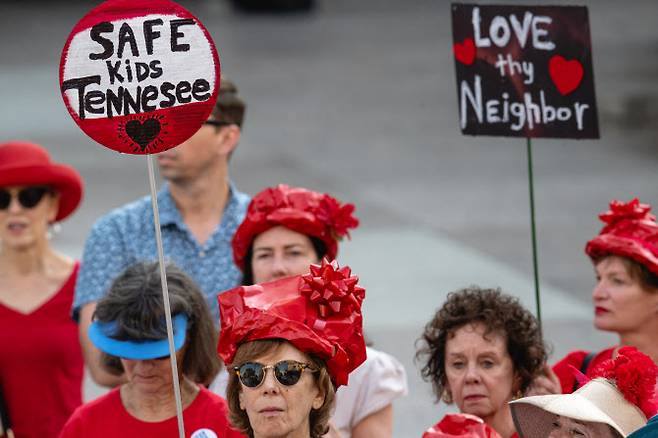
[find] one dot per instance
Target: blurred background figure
(481, 350)
(41, 364)
(200, 208)
(286, 229)
(625, 298)
(614, 404)
(129, 328)
(289, 343)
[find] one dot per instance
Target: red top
(462, 426)
(41, 364)
(566, 374)
(205, 417)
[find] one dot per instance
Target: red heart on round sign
(566, 75)
(465, 51)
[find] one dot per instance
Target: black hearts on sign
(143, 133)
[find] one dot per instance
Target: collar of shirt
(170, 215)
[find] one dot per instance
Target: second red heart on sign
(566, 75)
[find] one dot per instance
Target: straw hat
(648, 431)
(598, 401)
(25, 164)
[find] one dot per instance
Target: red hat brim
(63, 178)
(635, 249)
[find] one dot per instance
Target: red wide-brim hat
(301, 210)
(630, 231)
(319, 313)
(28, 164)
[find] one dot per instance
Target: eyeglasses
(217, 123)
(287, 372)
(28, 197)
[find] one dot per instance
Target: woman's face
(620, 303)
(565, 427)
(479, 371)
(152, 376)
(277, 410)
(281, 252)
(21, 226)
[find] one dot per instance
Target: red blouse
(41, 364)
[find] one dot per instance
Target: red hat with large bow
(319, 313)
(629, 231)
(305, 211)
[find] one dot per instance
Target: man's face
(193, 157)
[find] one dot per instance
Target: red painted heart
(566, 75)
(465, 51)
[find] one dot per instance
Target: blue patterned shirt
(126, 236)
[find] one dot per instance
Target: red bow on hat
(319, 313)
(629, 231)
(305, 211)
(461, 425)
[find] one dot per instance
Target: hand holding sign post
(524, 71)
(141, 77)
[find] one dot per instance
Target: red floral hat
(630, 231)
(24, 164)
(319, 313)
(307, 212)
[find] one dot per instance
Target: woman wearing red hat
(285, 230)
(625, 257)
(288, 343)
(40, 359)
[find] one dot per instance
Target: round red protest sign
(139, 76)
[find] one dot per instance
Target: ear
(241, 399)
(230, 137)
(318, 400)
(53, 207)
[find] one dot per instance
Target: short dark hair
(499, 313)
(229, 107)
(248, 351)
(135, 303)
(319, 247)
(637, 271)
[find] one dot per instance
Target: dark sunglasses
(287, 372)
(217, 123)
(28, 197)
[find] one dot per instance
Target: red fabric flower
(339, 217)
(630, 231)
(634, 374)
(632, 210)
(307, 212)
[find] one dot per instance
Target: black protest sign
(524, 71)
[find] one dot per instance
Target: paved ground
(358, 99)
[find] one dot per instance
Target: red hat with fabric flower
(305, 211)
(27, 164)
(319, 313)
(629, 231)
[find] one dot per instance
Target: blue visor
(100, 334)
